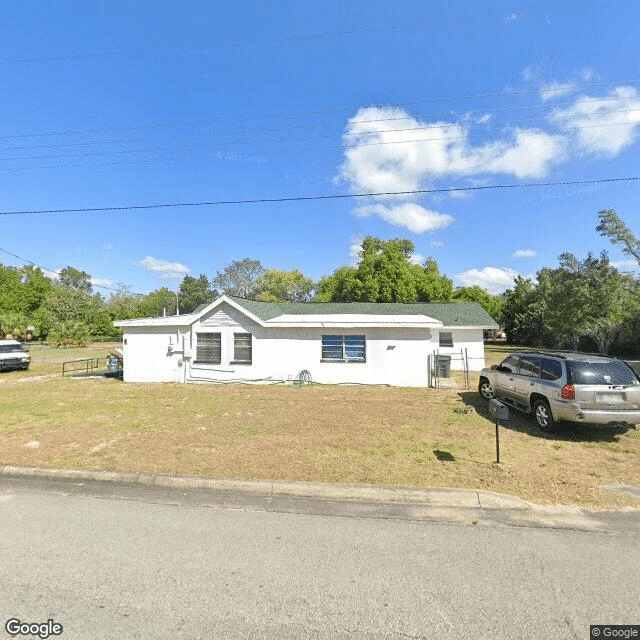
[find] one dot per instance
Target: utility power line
(170, 205)
(418, 128)
(348, 145)
(303, 114)
(39, 266)
(283, 40)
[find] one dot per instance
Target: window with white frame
(343, 348)
(242, 348)
(208, 348)
(446, 339)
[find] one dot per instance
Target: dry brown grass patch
(377, 435)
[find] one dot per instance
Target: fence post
(466, 360)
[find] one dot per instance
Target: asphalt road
(128, 567)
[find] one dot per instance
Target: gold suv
(565, 386)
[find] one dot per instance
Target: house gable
(223, 316)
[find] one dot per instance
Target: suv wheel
(542, 415)
(484, 389)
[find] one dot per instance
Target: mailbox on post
(500, 412)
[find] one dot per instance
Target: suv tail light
(568, 392)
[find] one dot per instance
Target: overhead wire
(46, 269)
(283, 40)
(338, 196)
(291, 115)
(419, 127)
(348, 145)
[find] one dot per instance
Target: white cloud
(167, 270)
(626, 265)
(437, 244)
(530, 73)
(355, 248)
(381, 155)
(495, 280)
(389, 151)
(408, 215)
(603, 126)
(556, 90)
(52, 275)
(417, 258)
(101, 282)
(523, 253)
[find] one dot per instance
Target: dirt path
(30, 379)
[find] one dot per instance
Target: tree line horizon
(582, 304)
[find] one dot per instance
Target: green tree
(239, 278)
(341, 286)
(194, 292)
(34, 290)
(122, 305)
(431, 286)
(72, 316)
(10, 290)
(491, 304)
(13, 324)
(385, 273)
(580, 302)
(522, 314)
(611, 226)
(22, 292)
(156, 303)
(75, 279)
(283, 286)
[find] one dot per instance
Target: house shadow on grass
(563, 431)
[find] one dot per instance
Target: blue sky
(111, 104)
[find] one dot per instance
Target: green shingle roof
(451, 314)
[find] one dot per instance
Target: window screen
(242, 347)
(446, 339)
(208, 348)
(344, 348)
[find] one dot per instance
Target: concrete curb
(452, 498)
(410, 503)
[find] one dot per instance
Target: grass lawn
(377, 435)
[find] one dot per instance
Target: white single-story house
(238, 340)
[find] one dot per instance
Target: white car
(13, 355)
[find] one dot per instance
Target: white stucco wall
(147, 357)
(394, 355)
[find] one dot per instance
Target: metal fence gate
(440, 366)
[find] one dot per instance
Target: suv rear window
(551, 369)
(614, 372)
